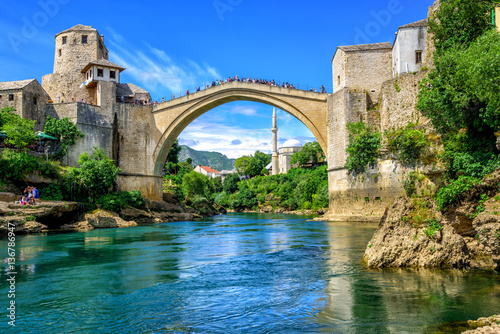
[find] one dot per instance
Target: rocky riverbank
(49, 215)
(269, 209)
(461, 237)
(484, 325)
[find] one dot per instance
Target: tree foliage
(364, 146)
(408, 142)
(194, 183)
(461, 95)
(20, 132)
(457, 23)
(252, 166)
(64, 130)
(97, 172)
(173, 154)
(311, 153)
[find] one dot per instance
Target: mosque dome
(291, 143)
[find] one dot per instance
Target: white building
(210, 172)
(408, 52)
(286, 151)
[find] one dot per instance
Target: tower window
(60, 52)
(100, 72)
(84, 39)
(338, 80)
(418, 57)
(64, 40)
(11, 97)
(112, 74)
(34, 101)
(0, 97)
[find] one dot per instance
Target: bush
(410, 183)
(97, 173)
(117, 201)
(51, 192)
(408, 142)
(111, 202)
(446, 196)
(363, 148)
(15, 165)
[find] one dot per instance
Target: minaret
(275, 144)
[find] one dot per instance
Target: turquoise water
(238, 273)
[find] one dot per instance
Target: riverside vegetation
(85, 194)
(450, 216)
(302, 188)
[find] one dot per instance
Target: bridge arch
(172, 117)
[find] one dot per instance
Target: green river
(236, 273)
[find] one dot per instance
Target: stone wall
(367, 70)
(398, 108)
(134, 143)
(75, 55)
(365, 196)
(24, 102)
(91, 121)
(67, 86)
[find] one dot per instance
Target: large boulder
(139, 216)
(106, 219)
(8, 197)
(487, 227)
(398, 243)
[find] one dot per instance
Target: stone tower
(75, 48)
(275, 159)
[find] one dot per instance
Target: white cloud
(156, 71)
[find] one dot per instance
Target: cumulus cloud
(155, 70)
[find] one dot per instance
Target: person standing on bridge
(187, 92)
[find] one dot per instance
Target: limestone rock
(8, 197)
(34, 227)
(487, 227)
(485, 325)
(397, 243)
(139, 216)
(84, 225)
(105, 219)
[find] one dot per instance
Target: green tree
(193, 183)
(310, 153)
(363, 148)
(173, 154)
(97, 172)
(457, 23)
(5, 113)
(241, 164)
(20, 132)
(461, 95)
(64, 130)
(408, 142)
(254, 168)
(189, 161)
(230, 184)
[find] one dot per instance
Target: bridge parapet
(256, 87)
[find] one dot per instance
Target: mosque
(281, 161)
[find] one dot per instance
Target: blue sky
(170, 46)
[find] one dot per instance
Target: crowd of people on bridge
(219, 82)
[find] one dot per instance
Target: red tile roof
(209, 170)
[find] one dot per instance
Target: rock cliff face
(457, 238)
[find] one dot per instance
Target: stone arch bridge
(146, 134)
(143, 135)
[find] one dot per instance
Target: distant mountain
(214, 160)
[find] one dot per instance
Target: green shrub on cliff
(363, 148)
(408, 143)
(449, 194)
(64, 130)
